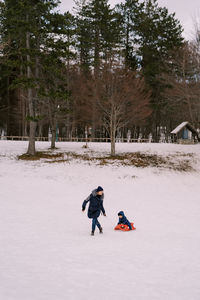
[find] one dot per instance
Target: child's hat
(99, 189)
(121, 213)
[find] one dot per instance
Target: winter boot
(92, 233)
(100, 230)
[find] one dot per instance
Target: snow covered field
(46, 252)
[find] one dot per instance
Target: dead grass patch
(180, 162)
(40, 155)
(57, 161)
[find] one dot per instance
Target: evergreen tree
(159, 33)
(55, 81)
(129, 12)
(98, 33)
(98, 40)
(150, 35)
(28, 28)
(3, 77)
(43, 53)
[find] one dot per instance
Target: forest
(96, 72)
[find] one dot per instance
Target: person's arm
(120, 221)
(102, 208)
(129, 224)
(85, 202)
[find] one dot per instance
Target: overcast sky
(187, 11)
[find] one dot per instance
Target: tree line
(97, 71)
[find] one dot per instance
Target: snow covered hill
(47, 253)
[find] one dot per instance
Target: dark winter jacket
(124, 220)
(95, 206)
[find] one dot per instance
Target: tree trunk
(53, 139)
(112, 131)
(112, 145)
(86, 137)
(31, 145)
(96, 76)
(68, 117)
(33, 124)
(67, 124)
(40, 133)
(8, 105)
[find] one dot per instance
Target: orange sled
(123, 227)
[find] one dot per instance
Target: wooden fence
(77, 139)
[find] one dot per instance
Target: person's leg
(94, 221)
(99, 226)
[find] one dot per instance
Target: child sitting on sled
(124, 223)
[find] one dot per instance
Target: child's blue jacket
(124, 220)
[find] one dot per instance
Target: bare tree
(182, 95)
(83, 91)
(122, 99)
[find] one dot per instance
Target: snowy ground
(46, 252)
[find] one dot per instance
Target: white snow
(47, 253)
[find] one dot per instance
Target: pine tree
(98, 39)
(55, 83)
(27, 26)
(151, 34)
(129, 13)
(3, 75)
(105, 31)
(83, 37)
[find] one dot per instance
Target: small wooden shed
(185, 133)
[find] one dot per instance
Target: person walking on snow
(95, 207)
(123, 220)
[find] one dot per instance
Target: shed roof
(182, 125)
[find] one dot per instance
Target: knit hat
(99, 189)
